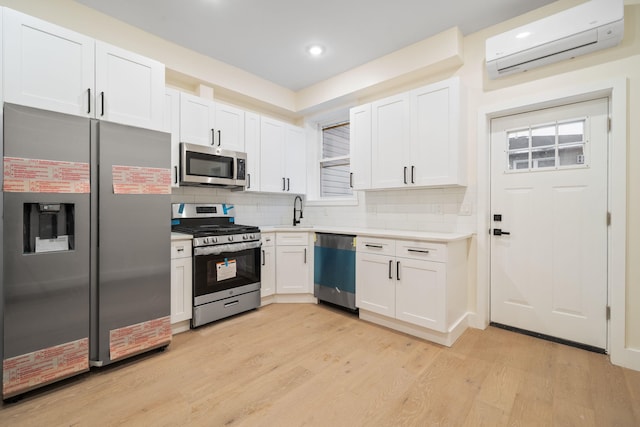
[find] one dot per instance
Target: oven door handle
(231, 247)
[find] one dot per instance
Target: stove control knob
(214, 239)
(231, 238)
(206, 240)
(245, 237)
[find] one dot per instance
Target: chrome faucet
(297, 221)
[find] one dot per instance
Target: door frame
(616, 91)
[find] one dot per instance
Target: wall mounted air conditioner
(594, 25)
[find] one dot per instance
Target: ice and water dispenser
(48, 227)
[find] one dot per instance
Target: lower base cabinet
(293, 263)
(268, 265)
(417, 287)
(181, 284)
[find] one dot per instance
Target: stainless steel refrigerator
(86, 245)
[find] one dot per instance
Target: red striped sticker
(45, 176)
(27, 371)
(137, 338)
(140, 180)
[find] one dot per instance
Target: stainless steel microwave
(201, 165)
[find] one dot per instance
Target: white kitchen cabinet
(197, 120)
(53, 68)
(268, 265)
(252, 147)
(230, 130)
(282, 157)
(416, 139)
(360, 146)
(47, 66)
(390, 141)
(293, 263)
(172, 125)
(437, 154)
(129, 87)
(181, 283)
(416, 287)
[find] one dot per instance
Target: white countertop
(180, 236)
(373, 232)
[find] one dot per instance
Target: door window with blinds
(335, 175)
(556, 145)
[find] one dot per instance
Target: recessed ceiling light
(523, 34)
(315, 50)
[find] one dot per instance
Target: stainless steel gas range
(226, 260)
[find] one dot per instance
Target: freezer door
(134, 279)
(45, 289)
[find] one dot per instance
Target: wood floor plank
(306, 365)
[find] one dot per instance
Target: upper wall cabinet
(410, 140)
(209, 123)
(197, 120)
(50, 67)
(282, 157)
(252, 147)
(172, 125)
(230, 127)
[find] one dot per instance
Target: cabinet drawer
(375, 245)
(181, 249)
(292, 239)
(430, 251)
(267, 239)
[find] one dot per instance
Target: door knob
(499, 232)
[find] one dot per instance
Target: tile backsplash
(440, 210)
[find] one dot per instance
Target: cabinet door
(268, 272)
(420, 293)
(252, 147)
(375, 283)
(292, 269)
(46, 66)
(197, 120)
(360, 140)
(436, 151)
(229, 127)
(181, 292)
(172, 125)
(295, 160)
(129, 88)
(272, 136)
(390, 141)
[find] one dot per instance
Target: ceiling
(269, 38)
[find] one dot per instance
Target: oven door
(225, 270)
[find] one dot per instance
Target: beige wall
(186, 69)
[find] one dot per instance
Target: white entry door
(549, 222)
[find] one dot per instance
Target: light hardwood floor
(308, 365)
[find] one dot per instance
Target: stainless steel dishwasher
(334, 275)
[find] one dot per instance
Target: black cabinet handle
(373, 246)
(405, 175)
(176, 169)
(89, 101)
(390, 263)
(263, 257)
(213, 136)
(418, 250)
(305, 255)
(248, 180)
(398, 270)
(350, 179)
(412, 170)
(284, 184)
(102, 103)
(288, 184)
(219, 137)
